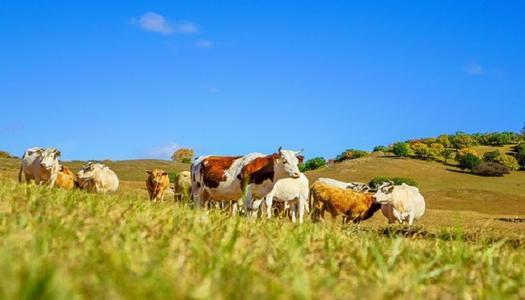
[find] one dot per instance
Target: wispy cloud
(154, 22)
(474, 69)
(205, 44)
(161, 152)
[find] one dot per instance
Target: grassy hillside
(62, 245)
(444, 186)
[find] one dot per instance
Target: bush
(377, 181)
(313, 164)
(462, 140)
(520, 153)
(488, 168)
(4, 154)
(380, 149)
(186, 160)
(350, 154)
(401, 149)
(468, 161)
(509, 161)
(443, 140)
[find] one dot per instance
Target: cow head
(156, 175)
(286, 164)
(89, 170)
(49, 158)
(384, 193)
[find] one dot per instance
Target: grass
(61, 245)
(56, 244)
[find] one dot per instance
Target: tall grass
(61, 245)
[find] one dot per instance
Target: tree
(313, 164)
(520, 153)
(350, 154)
(443, 140)
(447, 154)
(183, 155)
(380, 149)
(468, 161)
(523, 131)
(401, 149)
(421, 150)
(462, 140)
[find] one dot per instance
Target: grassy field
(58, 244)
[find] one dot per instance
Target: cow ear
(148, 171)
(390, 189)
(300, 158)
(57, 153)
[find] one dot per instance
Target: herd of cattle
(255, 183)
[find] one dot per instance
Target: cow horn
(280, 148)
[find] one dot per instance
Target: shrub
(468, 161)
(520, 153)
(443, 140)
(447, 154)
(377, 181)
(421, 150)
(462, 140)
(509, 161)
(350, 154)
(491, 156)
(401, 149)
(488, 168)
(313, 164)
(183, 155)
(380, 149)
(4, 154)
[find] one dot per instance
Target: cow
(40, 165)
(157, 183)
(293, 191)
(66, 179)
(402, 203)
(232, 178)
(356, 186)
(354, 206)
(182, 186)
(97, 178)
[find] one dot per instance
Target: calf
(353, 205)
(66, 179)
(293, 191)
(182, 186)
(157, 183)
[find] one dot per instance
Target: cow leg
(255, 207)
(410, 218)
(301, 203)
(234, 208)
(293, 210)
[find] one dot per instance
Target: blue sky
(134, 79)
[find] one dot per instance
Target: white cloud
(154, 22)
(474, 69)
(162, 151)
(186, 27)
(205, 44)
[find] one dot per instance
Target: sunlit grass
(62, 245)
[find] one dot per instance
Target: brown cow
(353, 205)
(66, 179)
(157, 183)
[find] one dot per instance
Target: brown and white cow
(157, 183)
(232, 178)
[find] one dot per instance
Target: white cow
(40, 165)
(356, 186)
(293, 191)
(403, 203)
(97, 178)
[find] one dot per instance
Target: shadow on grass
(455, 234)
